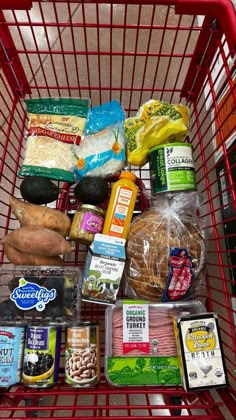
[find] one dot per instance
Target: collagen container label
(172, 168)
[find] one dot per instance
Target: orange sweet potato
(37, 240)
(22, 258)
(33, 214)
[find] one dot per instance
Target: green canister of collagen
(172, 168)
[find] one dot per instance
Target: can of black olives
(82, 355)
(41, 356)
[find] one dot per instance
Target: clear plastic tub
(39, 294)
(140, 342)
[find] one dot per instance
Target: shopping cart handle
(16, 4)
(222, 10)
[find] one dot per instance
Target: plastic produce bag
(165, 253)
(102, 149)
(54, 126)
(156, 123)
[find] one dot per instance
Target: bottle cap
(127, 174)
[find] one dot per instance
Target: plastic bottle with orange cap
(121, 206)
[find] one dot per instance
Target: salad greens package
(165, 252)
(54, 126)
(102, 149)
(156, 123)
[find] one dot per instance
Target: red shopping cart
(167, 49)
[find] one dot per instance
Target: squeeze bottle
(121, 206)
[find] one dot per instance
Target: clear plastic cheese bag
(54, 126)
(165, 251)
(102, 151)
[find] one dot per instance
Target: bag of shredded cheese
(102, 148)
(54, 126)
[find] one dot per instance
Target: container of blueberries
(48, 295)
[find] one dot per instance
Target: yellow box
(200, 352)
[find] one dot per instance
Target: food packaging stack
(165, 251)
(156, 258)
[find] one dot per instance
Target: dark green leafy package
(54, 125)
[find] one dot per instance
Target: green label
(58, 106)
(181, 179)
(172, 168)
(144, 370)
(52, 173)
(158, 171)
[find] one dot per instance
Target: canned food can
(172, 168)
(82, 355)
(11, 355)
(41, 356)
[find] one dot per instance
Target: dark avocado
(38, 190)
(92, 190)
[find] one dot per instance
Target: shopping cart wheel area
(133, 51)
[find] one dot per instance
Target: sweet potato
(33, 214)
(22, 258)
(37, 240)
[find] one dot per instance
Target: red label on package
(65, 138)
(180, 276)
(140, 347)
(135, 328)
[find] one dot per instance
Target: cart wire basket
(172, 50)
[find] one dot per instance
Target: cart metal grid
(167, 49)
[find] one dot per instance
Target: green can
(172, 168)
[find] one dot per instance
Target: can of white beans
(82, 354)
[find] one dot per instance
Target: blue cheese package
(102, 149)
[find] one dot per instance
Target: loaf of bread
(153, 235)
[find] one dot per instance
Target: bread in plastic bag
(156, 123)
(165, 255)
